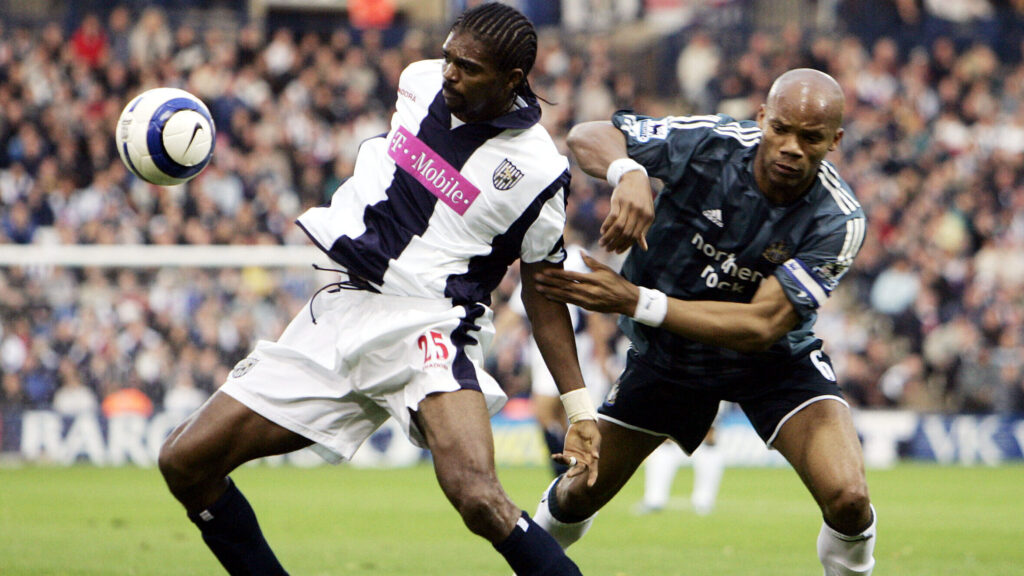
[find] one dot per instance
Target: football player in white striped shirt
(750, 236)
(465, 183)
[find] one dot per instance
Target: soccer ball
(165, 136)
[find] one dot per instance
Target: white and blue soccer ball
(165, 136)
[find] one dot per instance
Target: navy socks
(231, 531)
(531, 551)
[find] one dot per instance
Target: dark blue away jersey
(716, 237)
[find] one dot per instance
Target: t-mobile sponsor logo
(431, 170)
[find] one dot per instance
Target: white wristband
(578, 406)
(619, 167)
(651, 307)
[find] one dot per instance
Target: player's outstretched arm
(596, 146)
(552, 329)
(745, 327)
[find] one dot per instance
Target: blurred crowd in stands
(931, 317)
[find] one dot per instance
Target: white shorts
(366, 358)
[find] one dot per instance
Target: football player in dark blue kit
(750, 235)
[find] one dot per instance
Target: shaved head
(806, 91)
(801, 122)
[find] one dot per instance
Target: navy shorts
(685, 407)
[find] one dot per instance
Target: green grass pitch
(339, 520)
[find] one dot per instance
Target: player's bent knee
(480, 515)
(172, 465)
(849, 510)
(485, 510)
(179, 468)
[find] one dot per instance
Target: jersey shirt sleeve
(810, 276)
(544, 241)
(664, 146)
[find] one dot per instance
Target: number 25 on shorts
(437, 349)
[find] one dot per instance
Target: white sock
(708, 468)
(563, 533)
(659, 472)
(843, 555)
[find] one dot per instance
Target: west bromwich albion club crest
(243, 366)
(506, 175)
(776, 252)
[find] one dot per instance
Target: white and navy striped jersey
(716, 237)
(438, 208)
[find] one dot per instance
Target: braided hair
(510, 35)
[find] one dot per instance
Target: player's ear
(514, 79)
(835, 141)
